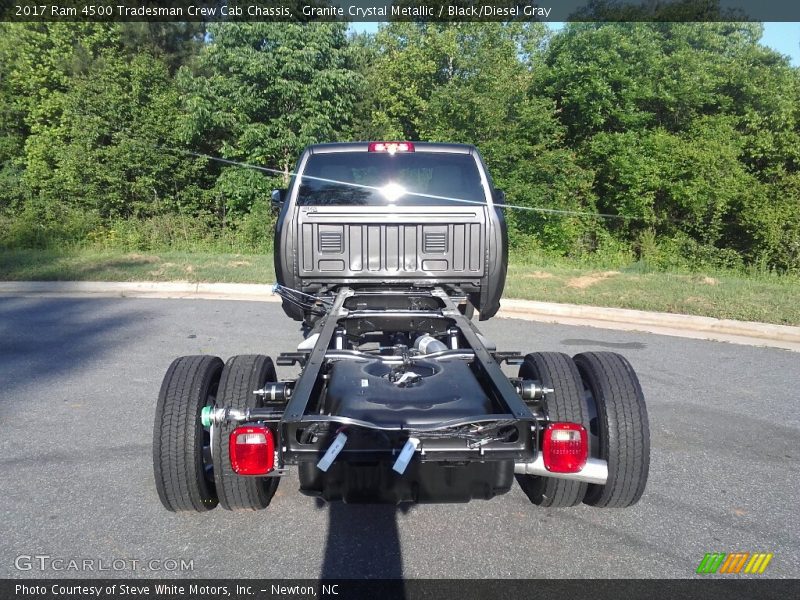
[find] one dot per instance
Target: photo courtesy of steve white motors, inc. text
(171, 589)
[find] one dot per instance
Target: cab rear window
(381, 179)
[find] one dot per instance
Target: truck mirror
(278, 196)
(499, 196)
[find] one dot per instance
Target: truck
(384, 253)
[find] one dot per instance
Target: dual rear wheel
(192, 468)
(600, 391)
(191, 462)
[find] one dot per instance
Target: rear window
(381, 179)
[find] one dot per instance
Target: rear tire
(241, 376)
(621, 427)
(180, 443)
(565, 403)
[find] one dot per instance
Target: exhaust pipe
(595, 471)
(427, 344)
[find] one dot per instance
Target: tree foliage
(687, 132)
(688, 128)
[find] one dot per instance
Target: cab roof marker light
(391, 147)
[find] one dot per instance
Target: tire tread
(557, 371)
(626, 440)
(177, 465)
(242, 375)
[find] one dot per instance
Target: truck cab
(392, 214)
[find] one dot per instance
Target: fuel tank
(422, 393)
(423, 483)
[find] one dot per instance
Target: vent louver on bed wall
(434, 242)
(331, 242)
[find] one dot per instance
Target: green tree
(260, 92)
(92, 114)
(688, 126)
(37, 62)
(474, 83)
(105, 153)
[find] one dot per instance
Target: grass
(92, 265)
(724, 294)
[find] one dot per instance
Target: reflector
(252, 450)
(565, 447)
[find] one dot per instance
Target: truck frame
(400, 398)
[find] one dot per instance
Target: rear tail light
(391, 147)
(252, 450)
(565, 447)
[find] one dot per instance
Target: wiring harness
(316, 305)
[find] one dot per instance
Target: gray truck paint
(462, 248)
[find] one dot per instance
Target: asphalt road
(78, 385)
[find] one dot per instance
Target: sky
(783, 37)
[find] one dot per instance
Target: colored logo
(736, 562)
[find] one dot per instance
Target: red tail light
(252, 450)
(565, 447)
(391, 147)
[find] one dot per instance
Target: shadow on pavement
(46, 338)
(363, 542)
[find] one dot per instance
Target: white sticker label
(405, 455)
(365, 383)
(333, 451)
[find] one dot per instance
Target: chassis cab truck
(384, 250)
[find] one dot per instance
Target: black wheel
(181, 455)
(621, 428)
(241, 376)
(565, 403)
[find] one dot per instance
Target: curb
(142, 289)
(688, 326)
(707, 328)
